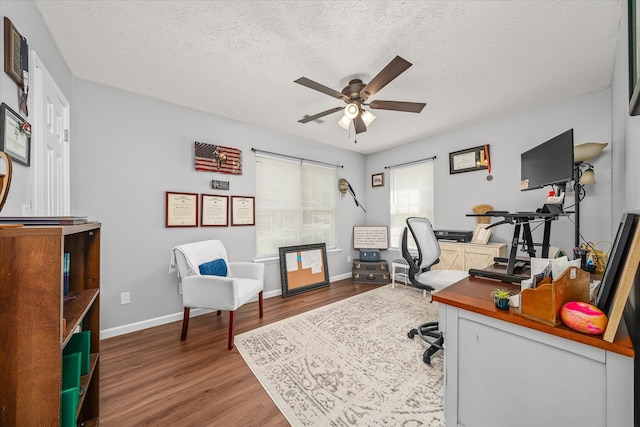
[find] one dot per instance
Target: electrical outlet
(26, 210)
(179, 288)
(125, 297)
(348, 258)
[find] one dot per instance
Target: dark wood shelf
(76, 309)
(31, 294)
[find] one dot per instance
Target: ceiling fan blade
(393, 69)
(359, 124)
(317, 116)
(320, 88)
(410, 107)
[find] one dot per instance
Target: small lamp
(588, 177)
(344, 122)
(367, 117)
(587, 151)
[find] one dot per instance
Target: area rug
(351, 363)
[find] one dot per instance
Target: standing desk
(522, 224)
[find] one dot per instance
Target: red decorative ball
(584, 317)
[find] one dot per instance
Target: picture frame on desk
(481, 234)
(617, 257)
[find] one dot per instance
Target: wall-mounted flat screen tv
(550, 163)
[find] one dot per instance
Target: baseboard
(177, 317)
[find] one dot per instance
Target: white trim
(177, 317)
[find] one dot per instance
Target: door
(51, 151)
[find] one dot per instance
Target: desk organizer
(545, 301)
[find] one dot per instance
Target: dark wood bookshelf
(32, 301)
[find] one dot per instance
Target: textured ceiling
(472, 60)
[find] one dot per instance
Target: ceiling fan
(356, 93)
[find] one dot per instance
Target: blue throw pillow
(217, 267)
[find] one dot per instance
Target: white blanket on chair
(197, 253)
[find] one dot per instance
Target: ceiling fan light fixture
(351, 110)
(344, 122)
(367, 117)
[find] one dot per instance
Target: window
(295, 204)
(411, 195)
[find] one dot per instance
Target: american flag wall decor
(216, 158)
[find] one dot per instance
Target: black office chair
(422, 277)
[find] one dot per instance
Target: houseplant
(501, 298)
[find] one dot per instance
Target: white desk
(502, 369)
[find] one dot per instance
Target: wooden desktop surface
(474, 294)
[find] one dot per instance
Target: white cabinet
(501, 374)
(463, 256)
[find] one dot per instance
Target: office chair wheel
(412, 333)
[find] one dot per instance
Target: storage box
(544, 302)
(369, 255)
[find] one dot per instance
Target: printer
(454, 235)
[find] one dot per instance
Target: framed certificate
(243, 210)
(181, 210)
(471, 159)
(215, 211)
(14, 139)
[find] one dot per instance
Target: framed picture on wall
(15, 140)
(215, 211)
(181, 209)
(377, 180)
(243, 210)
(471, 159)
(13, 52)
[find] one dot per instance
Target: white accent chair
(244, 280)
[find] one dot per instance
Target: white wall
(27, 19)
(132, 149)
(589, 115)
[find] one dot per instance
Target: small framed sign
(481, 234)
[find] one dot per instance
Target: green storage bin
(80, 343)
(68, 406)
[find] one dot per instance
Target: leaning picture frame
(481, 234)
(634, 58)
(303, 268)
(617, 257)
(15, 140)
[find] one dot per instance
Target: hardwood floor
(150, 377)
